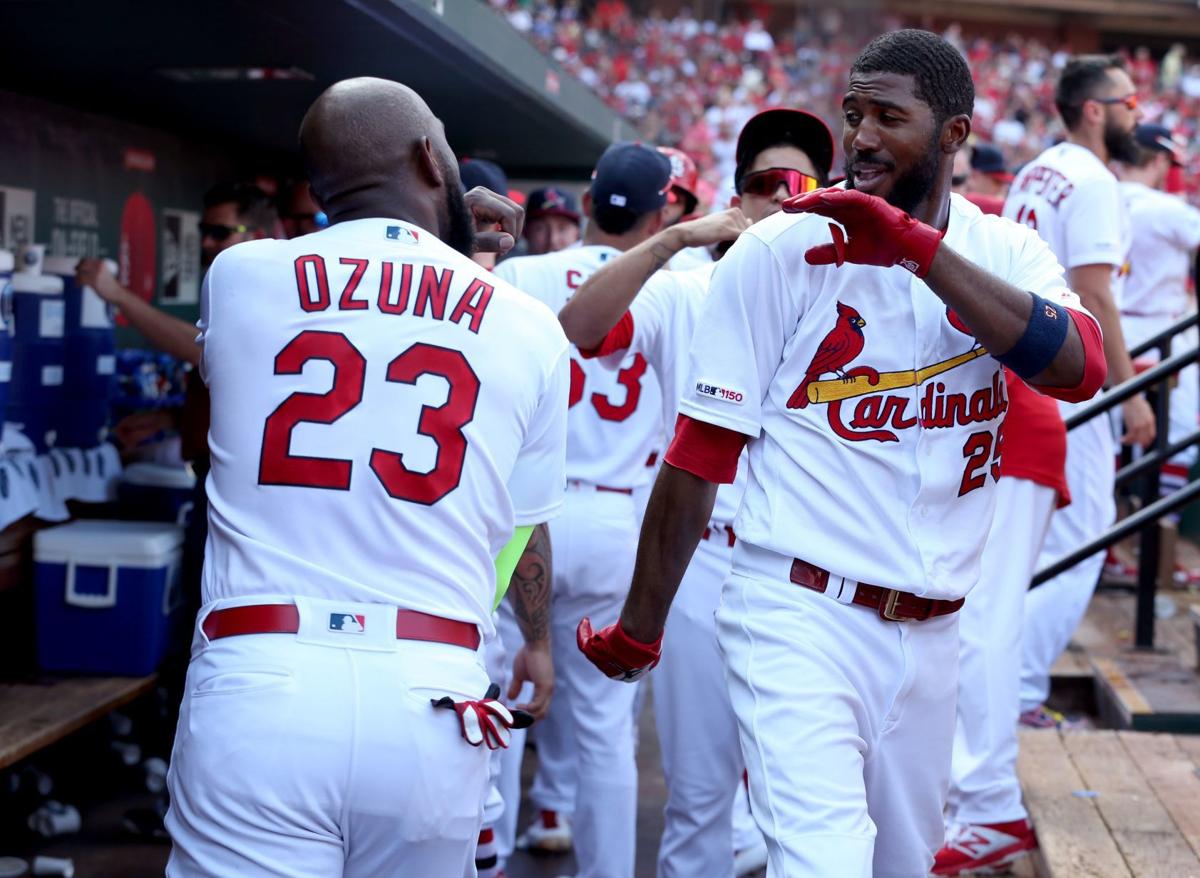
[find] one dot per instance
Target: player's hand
(616, 653)
(533, 664)
(879, 234)
(1140, 425)
(95, 274)
(714, 228)
(486, 721)
(132, 430)
(488, 207)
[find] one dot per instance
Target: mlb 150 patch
(724, 394)
(348, 623)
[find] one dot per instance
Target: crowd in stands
(691, 83)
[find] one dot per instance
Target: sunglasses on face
(1130, 101)
(766, 182)
(218, 232)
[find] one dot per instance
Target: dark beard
(1121, 145)
(913, 187)
(460, 230)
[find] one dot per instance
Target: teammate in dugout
(384, 413)
(864, 331)
(633, 305)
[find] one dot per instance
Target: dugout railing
(1155, 381)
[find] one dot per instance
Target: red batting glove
(880, 234)
(616, 653)
(486, 721)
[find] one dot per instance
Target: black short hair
(940, 73)
(747, 162)
(617, 220)
(254, 207)
(1081, 80)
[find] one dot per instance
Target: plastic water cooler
(90, 361)
(39, 321)
(6, 342)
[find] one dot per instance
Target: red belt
(710, 532)
(891, 605)
(628, 491)
(285, 619)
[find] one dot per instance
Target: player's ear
(955, 132)
(735, 201)
(586, 202)
(427, 163)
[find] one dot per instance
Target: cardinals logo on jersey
(878, 414)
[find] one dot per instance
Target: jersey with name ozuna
(615, 418)
(384, 412)
(874, 414)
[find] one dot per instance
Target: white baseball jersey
(1074, 203)
(611, 427)
(1166, 232)
(873, 418)
(384, 412)
(665, 314)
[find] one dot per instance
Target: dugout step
(1148, 691)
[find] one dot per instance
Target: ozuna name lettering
(398, 288)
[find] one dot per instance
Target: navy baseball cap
(631, 177)
(551, 201)
(1158, 138)
(987, 159)
(481, 172)
(805, 131)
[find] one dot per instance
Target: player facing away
(633, 305)
(585, 746)
(1072, 200)
(384, 413)
(869, 496)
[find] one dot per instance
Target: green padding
(506, 561)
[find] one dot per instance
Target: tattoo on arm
(530, 588)
(660, 255)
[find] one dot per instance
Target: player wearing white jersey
(780, 154)
(1166, 233)
(1071, 199)
(585, 746)
(870, 409)
(384, 413)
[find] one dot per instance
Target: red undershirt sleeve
(618, 339)
(705, 450)
(1095, 367)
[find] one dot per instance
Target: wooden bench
(35, 715)
(1112, 804)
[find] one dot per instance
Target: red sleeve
(618, 339)
(706, 450)
(1095, 367)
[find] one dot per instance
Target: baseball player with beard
(586, 744)
(1072, 200)
(631, 306)
(384, 413)
(869, 493)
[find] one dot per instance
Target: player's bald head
(367, 133)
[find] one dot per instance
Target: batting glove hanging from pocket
(486, 721)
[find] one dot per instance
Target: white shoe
(750, 860)
(549, 833)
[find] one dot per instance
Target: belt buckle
(888, 609)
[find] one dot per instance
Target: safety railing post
(1150, 539)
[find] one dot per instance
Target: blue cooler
(107, 594)
(156, 492)
(35, 392)
(6, 342)
(90, 362)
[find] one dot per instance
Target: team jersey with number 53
(384, 412)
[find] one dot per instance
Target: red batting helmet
(685, 178)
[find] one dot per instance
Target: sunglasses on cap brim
(219, 232)
(768, 181)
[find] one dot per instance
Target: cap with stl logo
(551, 201)
(1158, 138)
(631, 177)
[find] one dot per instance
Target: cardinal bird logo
(843, 343)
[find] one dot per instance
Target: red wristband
(919, 245)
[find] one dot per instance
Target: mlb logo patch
(403, 235)
(348, 623)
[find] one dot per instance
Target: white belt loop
(845, 590)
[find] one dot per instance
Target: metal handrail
(1147, 462)
(1135, 385)
(1165, 336)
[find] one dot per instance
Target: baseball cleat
(984, 848)
(549, 833)
(749, 860)
(1042, 717)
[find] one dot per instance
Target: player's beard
(1120, 143)
(460, 224)
(914, 185)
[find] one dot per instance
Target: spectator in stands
(552, 220)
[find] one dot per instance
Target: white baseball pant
(1185, 394)
(585, 744)
(1054, 609)
(319, 753)
(983, 778)
(846, 723)
(510, 760)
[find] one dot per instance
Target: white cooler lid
(159, 475)
(101, 542)
(44, 284)
(6, 262)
